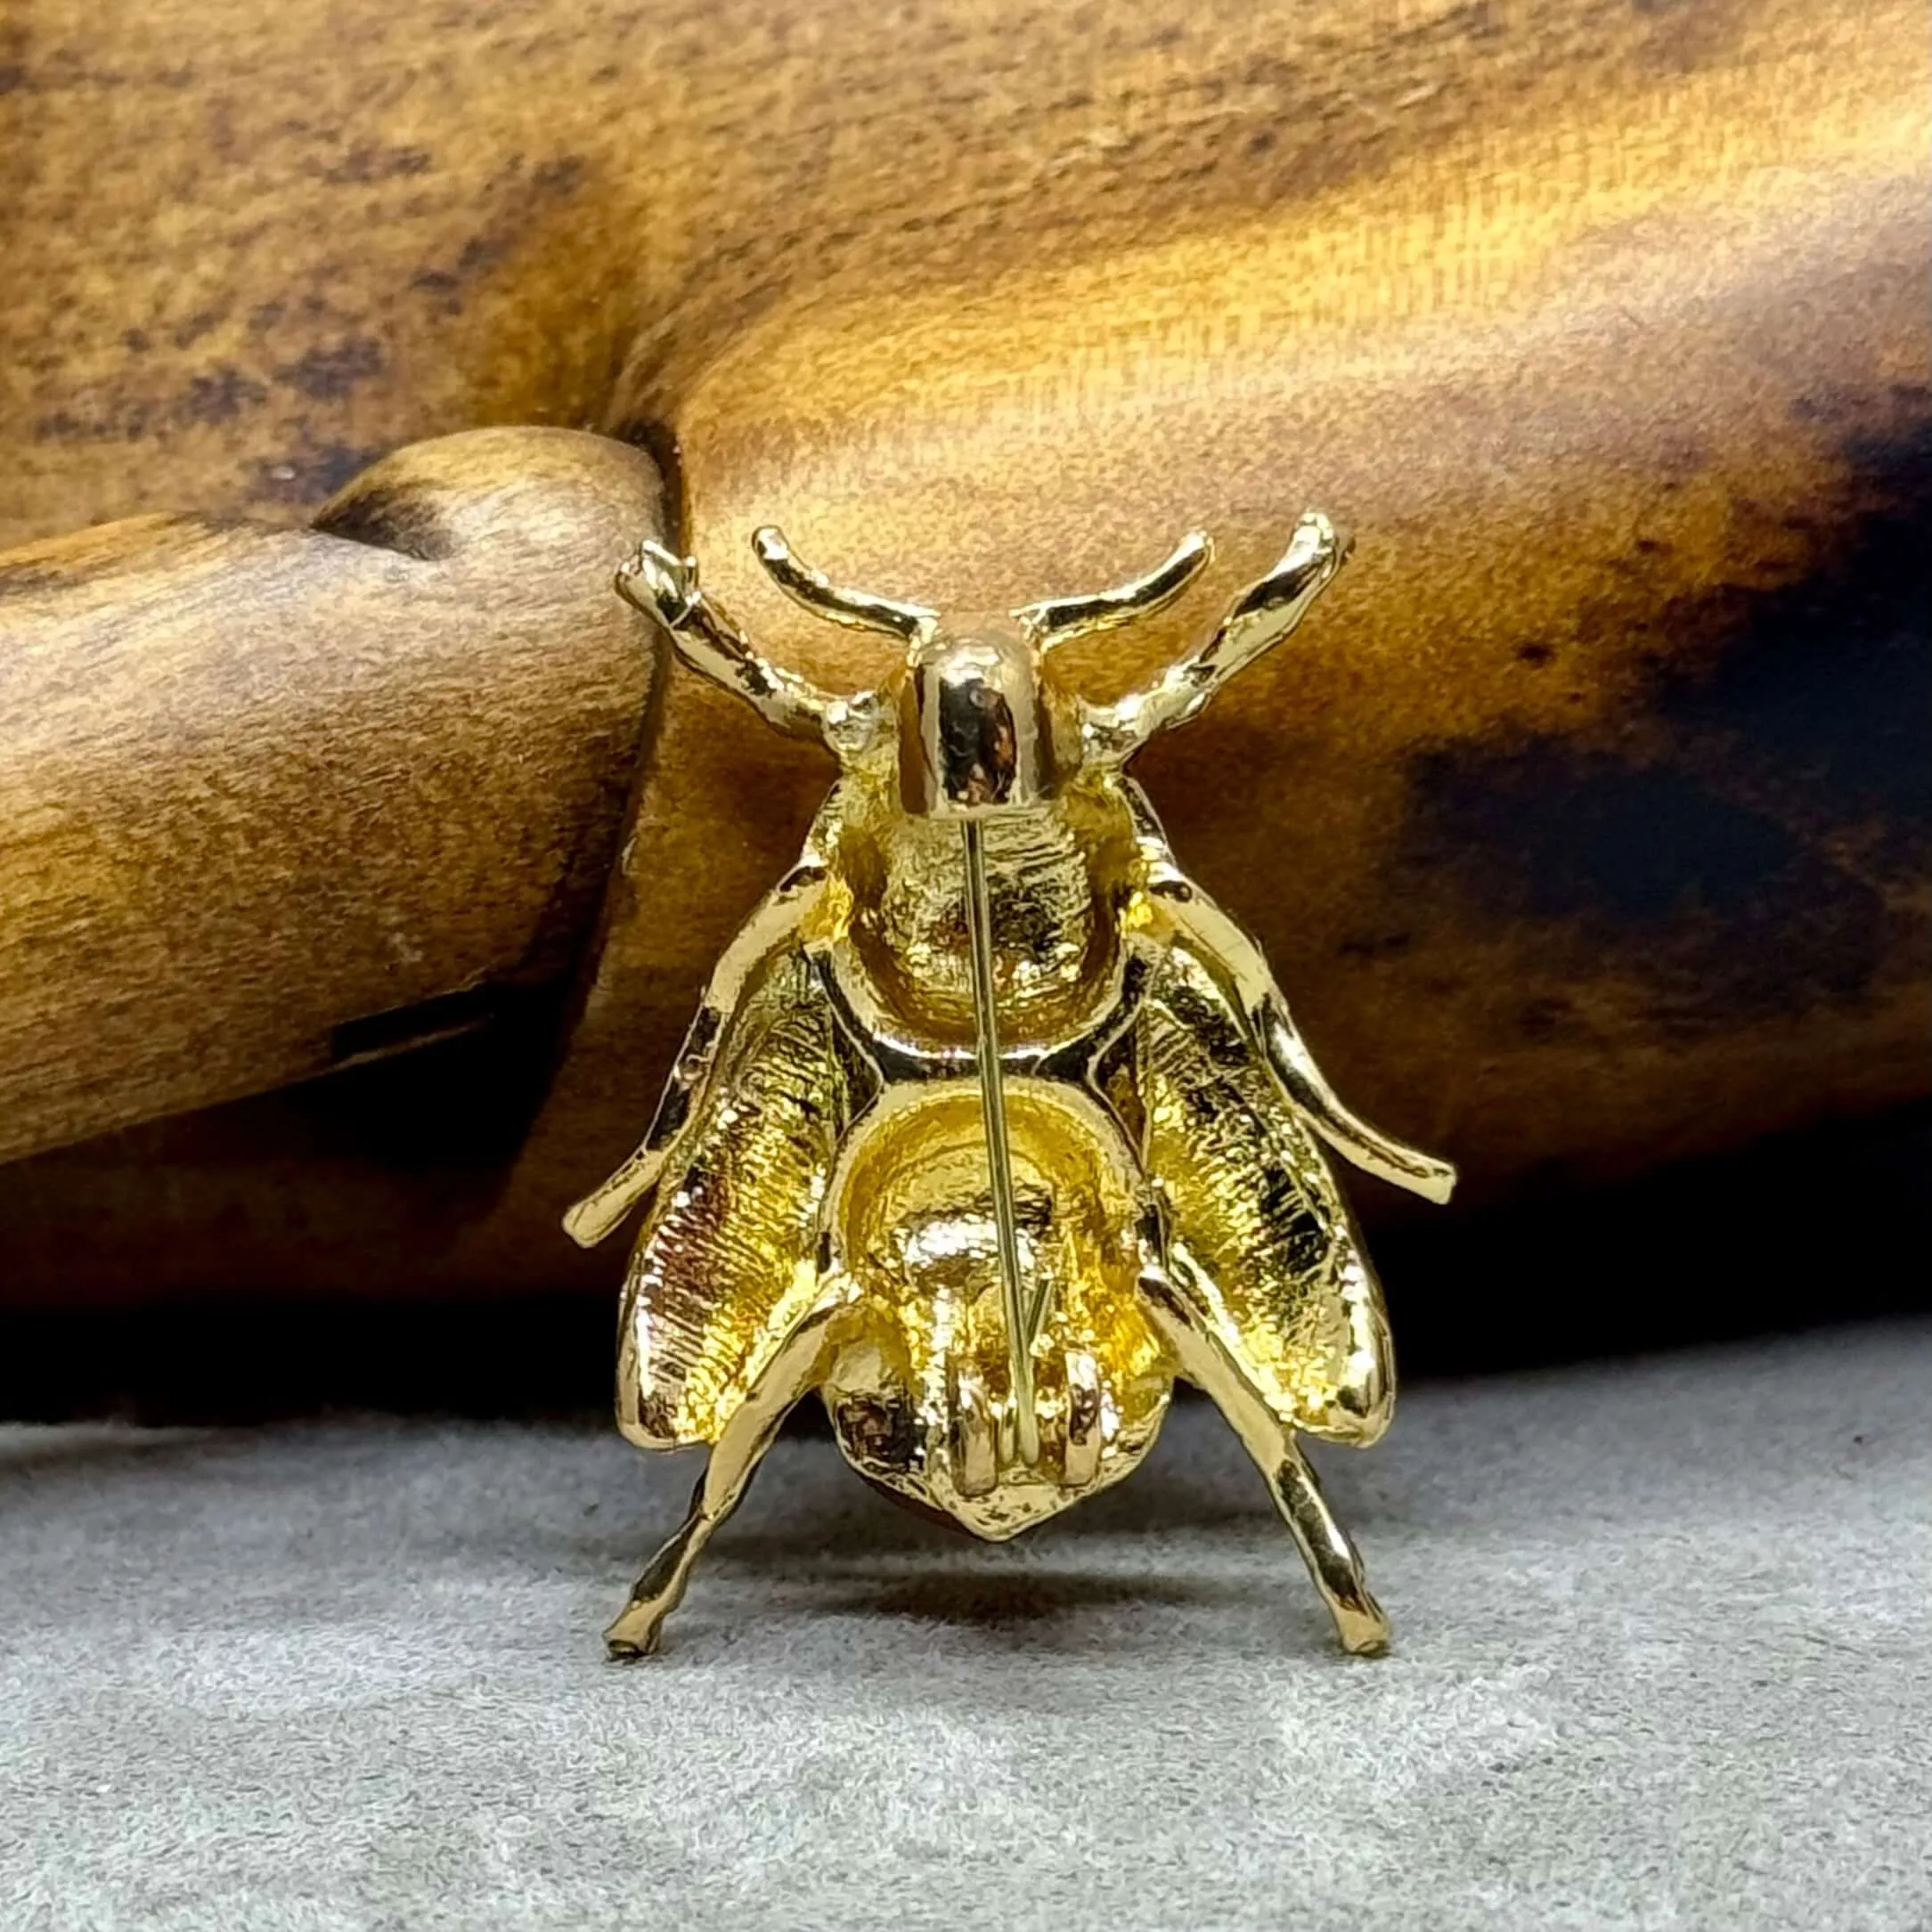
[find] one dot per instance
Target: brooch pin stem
(1020, 1321)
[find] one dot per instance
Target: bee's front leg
(793, 1372)
(1207, 1360)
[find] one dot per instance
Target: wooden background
(1585, 823)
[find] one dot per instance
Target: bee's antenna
(1260, 617)
(859, 610)
(1059, 618)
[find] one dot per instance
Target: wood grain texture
(275, 801)
(1585, 823)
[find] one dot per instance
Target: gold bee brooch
(991, 1124)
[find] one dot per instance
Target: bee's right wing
(1212, 935)
(1261, 1237)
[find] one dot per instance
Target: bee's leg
(1232, 955)
(1207, 1360)
(793, 1372)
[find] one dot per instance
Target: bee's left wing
(725, 1266)
(734, 1168)
(775, 924)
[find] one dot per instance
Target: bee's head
(977, 730)
(984, 727)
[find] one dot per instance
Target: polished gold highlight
(991, 1125)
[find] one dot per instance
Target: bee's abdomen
(922, 1399)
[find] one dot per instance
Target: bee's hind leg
(791, 1373)
(1206, 1360)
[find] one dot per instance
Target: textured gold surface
(991, 1124)
(1257, 1219)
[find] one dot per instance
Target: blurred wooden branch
(275, 801)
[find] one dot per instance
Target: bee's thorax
(1053, 874)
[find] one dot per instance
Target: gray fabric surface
(1665, 1660)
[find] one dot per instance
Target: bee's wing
(1258, 1230)
(773, 928)
(723, 1269)
(1237, 962)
